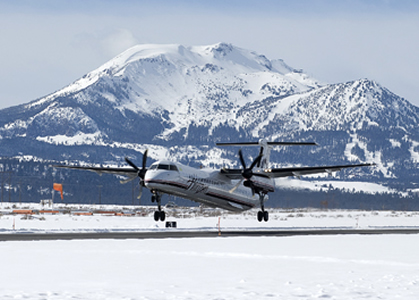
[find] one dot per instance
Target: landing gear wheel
(159, 215)
(156, 215)
(265, 216)
(260, 216)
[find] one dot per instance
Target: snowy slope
(195, 85)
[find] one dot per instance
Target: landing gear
(158, 214)
(263, 215)
(260, 216)
(266, 216)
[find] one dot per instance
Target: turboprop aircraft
(230, 189)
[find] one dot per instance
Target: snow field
(312, 267)
(299, 267)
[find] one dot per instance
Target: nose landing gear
(158, 214)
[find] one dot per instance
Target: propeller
(140, 172)
(247, 173)
(127, 180)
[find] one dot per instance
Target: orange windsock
(59, 187)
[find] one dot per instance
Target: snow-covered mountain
(197, 86)
(178, 101)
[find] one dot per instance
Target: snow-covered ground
(300, 267)
(324, 185)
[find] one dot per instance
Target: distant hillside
(178, 101)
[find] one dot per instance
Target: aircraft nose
(149, 177)
(153, 179)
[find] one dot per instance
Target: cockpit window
(164, 167)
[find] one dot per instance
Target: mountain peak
(221, 49)
(221, 83)
(152, 74)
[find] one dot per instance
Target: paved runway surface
(175, 233)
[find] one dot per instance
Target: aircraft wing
(286, 172)
(130, 172)
(232, 173)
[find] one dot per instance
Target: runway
(177, 234)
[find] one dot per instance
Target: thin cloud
(49, 44)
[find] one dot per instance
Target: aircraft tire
(162, 216)
(156, 215)
(266, 216)
(260, 216)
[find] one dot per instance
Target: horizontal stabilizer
(269, 143)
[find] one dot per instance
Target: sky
(48, 44)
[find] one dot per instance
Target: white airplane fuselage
(206, 186)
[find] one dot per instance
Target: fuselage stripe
(172, 183)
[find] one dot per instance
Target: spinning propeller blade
(140, 172)
(127, 180)
(140, 192)
(247, 173)
(242, 159)
(236, 186)
(131, 164)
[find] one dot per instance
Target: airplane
(230, 189)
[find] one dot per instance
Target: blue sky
(49, 44)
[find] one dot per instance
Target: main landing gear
(262, 214)
(158, 214)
